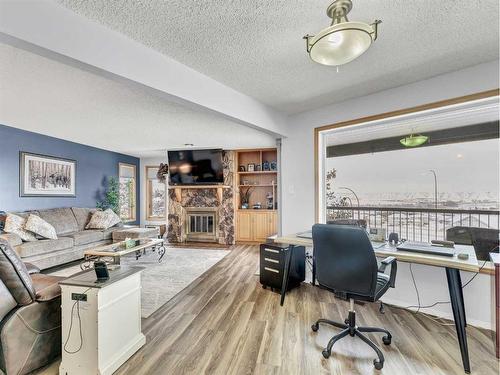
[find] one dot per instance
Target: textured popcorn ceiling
(256, 46)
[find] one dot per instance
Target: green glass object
(413, 140)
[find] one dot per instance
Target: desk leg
(286, 272)
(497, 308)
(457, 304)
(313, 270)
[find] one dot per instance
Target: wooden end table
(112, 253)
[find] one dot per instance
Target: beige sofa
(73, 238)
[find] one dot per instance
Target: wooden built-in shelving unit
(255, 225)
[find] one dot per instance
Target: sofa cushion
(12, 238)
(82, 216)
(8, 302)
(16, 224)
(103, 220)
(62, 219)
(15, 276)
(108, 233)
(86, 236)
(46, 286)
(40, 227)
(28, 249)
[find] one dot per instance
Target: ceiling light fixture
(342, 41)
(413, 140)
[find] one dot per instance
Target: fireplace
(201, 224)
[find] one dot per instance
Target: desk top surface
(386, 250)
(88, 278)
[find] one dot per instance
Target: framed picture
(251, 167)
(242, 168)
(46, 176)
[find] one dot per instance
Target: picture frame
(251, 167)
(242, 168)
(46, 176)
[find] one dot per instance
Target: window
(366, 174)
(127, 174)
(155, 195)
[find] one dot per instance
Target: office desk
(495, 258)
(452, 265)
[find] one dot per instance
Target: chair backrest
(15, 276)
(344, 258)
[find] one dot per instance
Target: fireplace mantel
(178, 189)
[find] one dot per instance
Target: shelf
(259, 172)
(199, 187)
(258, 185)
(256, 209)
(178, 189)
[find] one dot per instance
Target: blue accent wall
(93, 168)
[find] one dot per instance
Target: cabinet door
(261, 226)
(244, 226)
(273, 223)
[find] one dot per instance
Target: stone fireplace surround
(184, 198)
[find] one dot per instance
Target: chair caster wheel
(264, 287)
(315, 327)
(346, 321)
(378, 364)
(387, 340)
(325, 353)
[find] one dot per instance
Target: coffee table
(112, 253)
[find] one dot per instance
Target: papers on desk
(378, 245)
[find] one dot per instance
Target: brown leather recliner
(30, 315)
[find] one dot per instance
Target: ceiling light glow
(342, 41)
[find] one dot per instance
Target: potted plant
(245, 197)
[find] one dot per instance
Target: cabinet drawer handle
(271, 260)
(272, 251)
(271, 270)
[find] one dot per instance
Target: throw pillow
(39, 226)
(15, 224)
(103, 220)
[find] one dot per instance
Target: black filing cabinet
(272, 263)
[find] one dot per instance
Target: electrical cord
(419, 306)
(76, 304)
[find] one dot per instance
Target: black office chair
(346, 263)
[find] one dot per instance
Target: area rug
(162, 281)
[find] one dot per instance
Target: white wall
(298, 179)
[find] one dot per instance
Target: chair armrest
(32, 268)
(390, 261)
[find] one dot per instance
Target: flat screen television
(192, 167)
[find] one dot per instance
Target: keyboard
(426, 248)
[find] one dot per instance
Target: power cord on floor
(419, 305)
(77, 305)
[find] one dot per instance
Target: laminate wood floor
(225, 323)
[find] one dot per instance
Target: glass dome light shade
(414, 140)
(341, 43)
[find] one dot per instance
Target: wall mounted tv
(195, 167)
